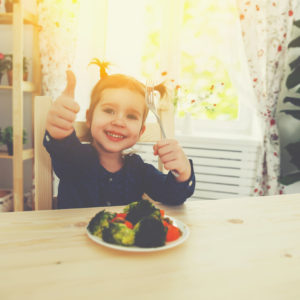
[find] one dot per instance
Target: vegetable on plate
(140, 224)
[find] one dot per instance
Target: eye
(108, 110)
(132, 117)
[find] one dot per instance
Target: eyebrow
(130, 110)
(135, 111)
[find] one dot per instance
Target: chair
(42, 163)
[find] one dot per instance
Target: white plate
(184, 230)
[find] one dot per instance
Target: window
(195, 44)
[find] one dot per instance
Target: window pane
(208, 38)
(133, 37)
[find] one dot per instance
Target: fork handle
(163, 133)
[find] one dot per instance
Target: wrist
(186, 174)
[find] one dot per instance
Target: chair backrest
(42, 163)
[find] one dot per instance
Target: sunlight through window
(196, 44)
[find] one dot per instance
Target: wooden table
(247, 248)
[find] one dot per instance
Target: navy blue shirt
(85, 183)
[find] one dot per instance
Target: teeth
(115, 135)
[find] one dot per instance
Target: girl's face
(117, 121)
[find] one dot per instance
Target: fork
(151, 105)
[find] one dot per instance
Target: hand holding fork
(168, 150)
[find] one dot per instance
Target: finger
(71, 84)
(163, 150)
(67, 103)
(171, 165)
(60, 123)
(165, 143)
(59, 133)
(67, 115)
(171, 156)
(155, 149)
(71, 105)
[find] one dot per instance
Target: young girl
(98, 174)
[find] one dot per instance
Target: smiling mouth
(114, 135)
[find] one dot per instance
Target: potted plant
(10, 68)
(25, 68)
(7, 138)
(4, 64)
(9, 4)
(291, 106)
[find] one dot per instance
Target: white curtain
(58, 34)
(266, 26)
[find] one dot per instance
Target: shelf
(7, 18)
(5, 155)
(27, 154)
(27, 87)
(17, 21)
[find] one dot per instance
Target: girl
(98, 174)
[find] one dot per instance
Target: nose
(119, 120)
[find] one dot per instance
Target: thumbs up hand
(63, 111)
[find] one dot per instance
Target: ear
(142, 130)
(88, 124)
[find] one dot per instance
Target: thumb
(71, 84)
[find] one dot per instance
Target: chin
(112, 148)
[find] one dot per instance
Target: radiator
(223, 169)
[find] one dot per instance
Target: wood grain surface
(242, 248)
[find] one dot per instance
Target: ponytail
(103, 66)
(161, 88)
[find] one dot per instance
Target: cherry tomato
(121, 215)
(173, 233)
(128, 224)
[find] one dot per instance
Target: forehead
(123, 96)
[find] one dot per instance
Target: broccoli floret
(156, 214)
(139, 209)
(118, 233)
(150, 232)
(99, 222)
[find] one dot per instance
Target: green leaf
(295, 43)
(294, 149)
(295, 63)
(293, 79)
(295, 101)
(294, 113)
(289, 179)
(297, 23)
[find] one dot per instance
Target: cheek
(97, 124)
(136, 128)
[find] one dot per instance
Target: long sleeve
(164, 188)
(69, 155)
(161, 187)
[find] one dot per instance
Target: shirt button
(191, 183)
(110, 179)
(47, 138)
(108, 203)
